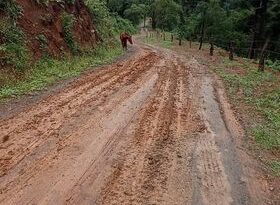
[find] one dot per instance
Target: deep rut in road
(135, 132)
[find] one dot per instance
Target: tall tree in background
(271, 27)
(167, 14)
(135, 13)
(259, 18)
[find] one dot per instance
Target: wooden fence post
(261, 63)
(211, 48)
(180, 41)
(231, 50)
(172, 37)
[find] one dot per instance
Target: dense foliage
(108, 24)
(13, 51)
(253, 25)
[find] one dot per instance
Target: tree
(270, 29)
(135, 13)
(167, 14)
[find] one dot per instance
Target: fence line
(235, 49)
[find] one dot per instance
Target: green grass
(159, 41)
(260, 92)
(47, 71)
(275, 166)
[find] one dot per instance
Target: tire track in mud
(132, 133)
(77, 89)
(54, 117)
(127, 170)
(143, 175)
(133, 73)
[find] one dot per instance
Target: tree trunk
(262, 56)
(172, 37)
(190, 43)
(145, 21)
(154, 20)
(202, 31)
(253, 43)
(180, 41)
(252, 46)
(259, 23)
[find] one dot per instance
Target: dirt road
(150, 129)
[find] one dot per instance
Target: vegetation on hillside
(20, 74)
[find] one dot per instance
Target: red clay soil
(40, 19)
(151, 129)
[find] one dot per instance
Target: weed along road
(153, 128)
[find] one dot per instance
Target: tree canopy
(249, 23)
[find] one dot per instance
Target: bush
(68, 21)
(12, 9)
(121, 25)
(69, 1)
(14, 48)
(107, 25)
(275, 65)
(43, 43)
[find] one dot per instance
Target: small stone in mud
(5, 138)
(271, 188)
(127, 193)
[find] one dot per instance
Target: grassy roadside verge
(47, 71)
(159, 41)
(256, 98)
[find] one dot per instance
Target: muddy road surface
(149, 129)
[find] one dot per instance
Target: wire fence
(239, 48)
(243, 48)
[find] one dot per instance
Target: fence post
(211, 48)
(261, 63)
(163, 35)
(231, 50)
(180, 41)
(172, 37)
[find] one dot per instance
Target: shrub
(68, 21)
(43, 43)
(107, 24)
(14, 48)
(12, 9)
(69, 1)
(275, 65)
